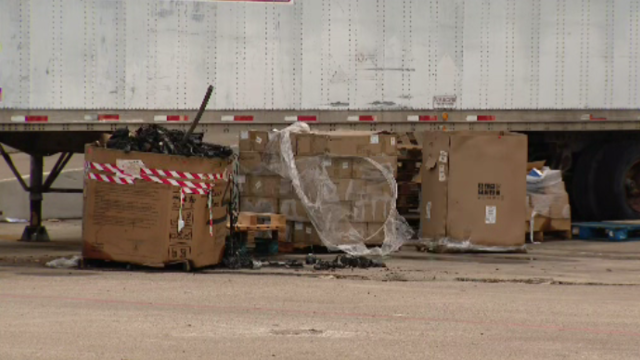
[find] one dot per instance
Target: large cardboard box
(473, 187)
(139, 223)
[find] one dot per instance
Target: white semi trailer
(566, 72)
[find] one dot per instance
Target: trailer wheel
(618, 180)
(583, 187)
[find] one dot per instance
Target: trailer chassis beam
(35, 231)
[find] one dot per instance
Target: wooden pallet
(250, 223)
(559, 229)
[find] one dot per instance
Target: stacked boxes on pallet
(346, 157)
(408, 179)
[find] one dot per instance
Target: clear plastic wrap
(546, 197)
(337, 207)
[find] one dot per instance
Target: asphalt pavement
(562, 300)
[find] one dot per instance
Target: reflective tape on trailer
(480, 118)
(592, 118)
(305, 118)
(102, 117)
(417, 118)
(169, 118)
(240, 118)
(361, 118)
(30, 119)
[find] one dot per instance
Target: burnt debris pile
(157, 139)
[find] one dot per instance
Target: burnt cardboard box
(259, 205)
(473, 187)
(138, 223)
(364, 169)
(262, 186)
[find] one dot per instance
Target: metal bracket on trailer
(36, 188)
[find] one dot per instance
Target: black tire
(611, 193)
(583, 189)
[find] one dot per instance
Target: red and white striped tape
(305, 118)
(102, 117)
(481, 118)
(111, 179)
(416, 118)
(30, 119)
(195, 191)
(157, 172)
(180, 183)
(240, 118)
(170, 118)
(361, 118)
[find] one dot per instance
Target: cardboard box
(375, 233)
(308, 144)
(259, 205)
(372, 209)
(359, 143)
(253, 141)
(286, 189)
(350, 189)
(138, 223)
(473, 187)
(338, 167)
(380, 189)
(311, 234)
(256, 163)
(363, 169)
(262, 186)
(293, 210)
(299, 235)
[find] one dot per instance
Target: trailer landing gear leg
(35, 231)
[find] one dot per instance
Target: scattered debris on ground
(157, 139)
(64, 263)
(348, 261)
